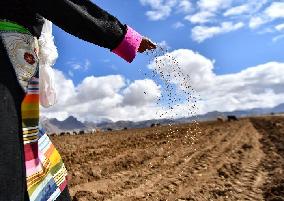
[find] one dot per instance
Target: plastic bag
(47, 57)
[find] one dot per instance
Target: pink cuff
(128, 48)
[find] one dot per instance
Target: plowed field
(240, 160)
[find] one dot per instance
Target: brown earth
(241, 160)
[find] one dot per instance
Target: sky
(231, 50)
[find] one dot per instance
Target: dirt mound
(240, 160)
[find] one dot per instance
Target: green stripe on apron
(12, 26)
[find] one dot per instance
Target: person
(30, 166)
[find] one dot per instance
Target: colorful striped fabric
(45, 171)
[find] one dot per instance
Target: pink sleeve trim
(128, 48)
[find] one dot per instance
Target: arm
(87, 21)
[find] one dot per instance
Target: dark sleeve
(83, 19)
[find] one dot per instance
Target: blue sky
(232, 52)
(224, 39)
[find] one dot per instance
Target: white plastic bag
(47, 57)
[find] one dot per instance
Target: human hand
(146, 44)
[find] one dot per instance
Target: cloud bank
(210, 18)
(161, 9)
(257, 86)
(116, 98)
(110, 97)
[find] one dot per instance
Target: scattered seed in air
(178, 100)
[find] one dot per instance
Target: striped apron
(36, 158)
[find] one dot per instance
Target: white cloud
(211, 14)
(87, 64)
(238, 10)
(223, 11)
(178, 25)
(257, 21)
(93, 88)
(213, 6)
(115, 98)
(184, 6)
(79, 65)
(277, 38)
(141, 93)
(271, 13)
(201, 33)
(258, 86)
(159, 14)
(191, 63)
(279, 27)
(65, 88)
(164, 45)
(76, 66)
(207, 10)
(70, 73)
(200, 17)
(109, 97)
(161, 9)
(275, 10)
(249, 8)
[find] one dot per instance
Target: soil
(239, 160)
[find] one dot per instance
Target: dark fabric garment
(65, 195)
(18, 11)
(81, 18)
(12, 166)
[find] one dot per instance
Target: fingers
(146, 44)
(151, 44)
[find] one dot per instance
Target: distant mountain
(71, 123)
(90, 124)
(279, 108)
(101, 121)
(50, 128)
